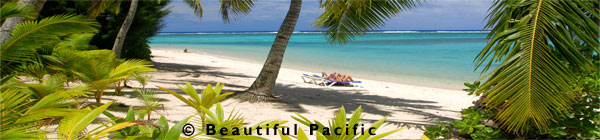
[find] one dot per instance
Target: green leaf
(175, 131)
(301, 135)
(344, 20)
(380, 136)
(11, 9)
(28, 35)
(537, 44)
(130, 114)
(77, 41)
(72, 125)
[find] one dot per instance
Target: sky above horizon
(267, 15)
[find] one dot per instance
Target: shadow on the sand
(333, 98)
(194, 70)
(291, 97)
(194, 83)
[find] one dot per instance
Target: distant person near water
(185, 50)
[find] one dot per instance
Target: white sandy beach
(408, 107)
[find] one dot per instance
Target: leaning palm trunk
(260, 90)
(9, 25)
(117, 47)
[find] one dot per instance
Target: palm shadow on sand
(291, 96)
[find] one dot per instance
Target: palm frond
(197, 6)
(97, 7)
(54, 105)
(22, 116)
(77, 41)
(47, 86)
(209, 97)
(31, 34)
(129, 67)
(99, 68)
(95, 68)
(340, 121)
(235, 9)
(13, 104)
(9, 10)
(538, 44)
(72, 125)
(343, 20)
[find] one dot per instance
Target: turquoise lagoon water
(433, 59)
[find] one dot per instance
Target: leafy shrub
(146, 23)
(24, 114)
(29, 36)
(148, 98)
(581, 122)
(210, 97)
(472, 126)
(145, 129)
(340, 121)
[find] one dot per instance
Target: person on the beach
(185, 50)
(334, 76)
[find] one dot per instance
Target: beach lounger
(308, 78)
(347, 83)
(318, 80)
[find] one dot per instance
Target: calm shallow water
(434, 59)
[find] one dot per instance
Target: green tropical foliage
(235, 9)
(23, 115)
(99, 70)
(31, 35)
(343, 20)
(73, 125)
(77, 42)
(150, 101)
(581, 122)
(229, 8)
(540, 45)
(145, 129)
(97, 7)
(341, 121)
(472, 126)
(146, 23)
(210, 96)
(142, 79)
(546, 85)
(9, 10)
(233, 120)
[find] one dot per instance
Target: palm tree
(11, 23)
(118, 46)
(262, 86)
(228, 7)
(341, 21)
(541, 46)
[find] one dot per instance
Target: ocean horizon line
(316, 32)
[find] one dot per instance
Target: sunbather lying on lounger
(334, 76)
